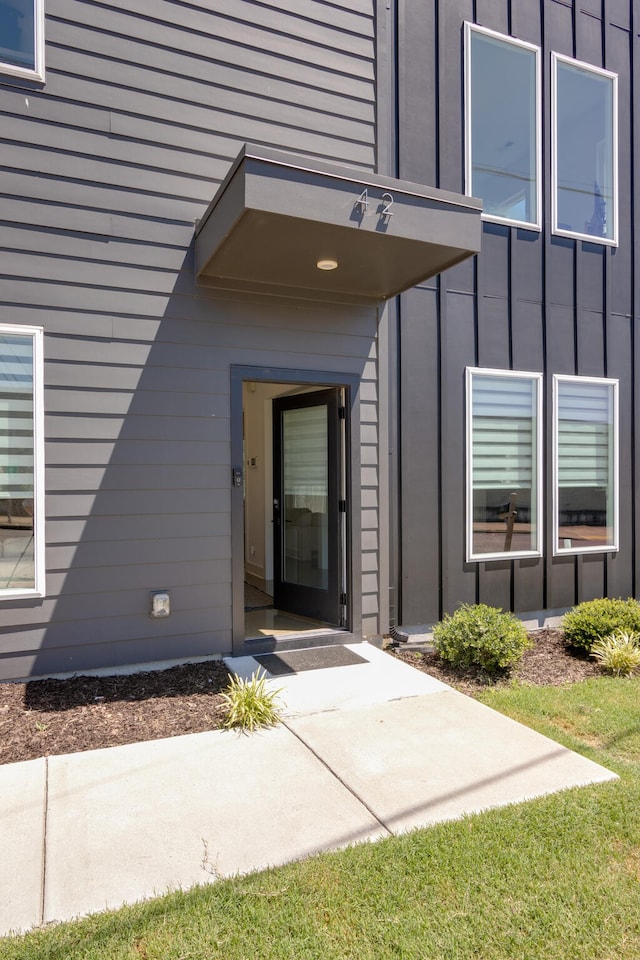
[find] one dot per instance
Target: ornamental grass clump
(477, 635)
(619, 653)
(250, 704)
(594, 620)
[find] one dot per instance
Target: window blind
(305, 457)
(504, 413)
(16, 418)
(585, 422)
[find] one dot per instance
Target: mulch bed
(49, 717)
(548, 662)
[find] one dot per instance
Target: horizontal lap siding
(103, 172)
(529, 301)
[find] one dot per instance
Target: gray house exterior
(255, 326)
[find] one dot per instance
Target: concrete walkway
(365, 751)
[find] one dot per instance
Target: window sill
(22, 595)
(21, 73)
(577, 551)
(585, 237)
(506, 222)
(488, 557)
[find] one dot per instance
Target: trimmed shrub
(477, 635)
(596, 619)
(619, 653)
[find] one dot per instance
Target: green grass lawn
(555, 878)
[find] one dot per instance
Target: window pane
(503, 128)
(585, 467)
(17, 37)
(504, 464)
(306, 489)
(17, 570)
(585, 201)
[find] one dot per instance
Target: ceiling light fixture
(327, 264)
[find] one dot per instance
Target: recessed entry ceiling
(291, 226)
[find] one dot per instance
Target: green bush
(619, 653)
(596, 619)
(481, 636)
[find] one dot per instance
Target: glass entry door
(306, 505)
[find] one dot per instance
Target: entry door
(307, 514)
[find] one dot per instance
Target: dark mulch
(549, 661)
(49, 717)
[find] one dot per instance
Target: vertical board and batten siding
(103, 171)
(529, 301)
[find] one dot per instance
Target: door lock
(237, 476)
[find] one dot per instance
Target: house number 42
(384, 208)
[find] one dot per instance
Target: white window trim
(38, 460)
(470, 28)
(611, 548)
(10, 69)
(514, 554)
(589, 68)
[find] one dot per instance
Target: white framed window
(22, 569)
(504, 464)
(503, 123)
(584, 104)
(22, 38)
(585, 464)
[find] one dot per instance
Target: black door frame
(315, 378)
(319, 604)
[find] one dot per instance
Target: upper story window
(585, 151)
(502, 116)
(22, 38)
(585, 464)
(21, 463)
(504, 480)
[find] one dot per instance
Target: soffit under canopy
(277, 215)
